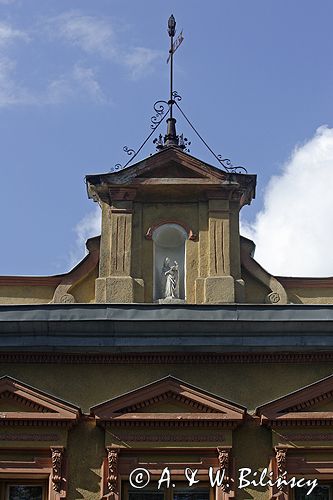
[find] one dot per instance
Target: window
(321, 492)
(23, 490)
(177, 493)
(145, 495)
(191, 494)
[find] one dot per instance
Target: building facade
(167, 350)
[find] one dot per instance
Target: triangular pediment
(170, 174)
(171, 163)
(21, 403)
(311, 403)
(171, 170)
(13, 402)
(167, 399)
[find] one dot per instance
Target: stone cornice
(166, 358)
(136, 408)
(301, 407)
(289, 282)
(36, 407)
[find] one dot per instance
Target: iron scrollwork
(227, 164)
(176, 96)
(161, 109)
(117, 167)
(128, 150)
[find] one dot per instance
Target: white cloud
(8, 34)
(57, 91)
(88, 227)
(87, 80)
(91, 34)
(293, 233)
(10, 92)
(140, 60)
(96, 36)
(79, 83)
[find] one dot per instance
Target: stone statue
(170, 280)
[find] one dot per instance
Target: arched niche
(169, 248)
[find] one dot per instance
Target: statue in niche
(170, 280)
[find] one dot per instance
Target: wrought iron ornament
(161, 109)
(164, 109)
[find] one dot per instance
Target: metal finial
(172, 26)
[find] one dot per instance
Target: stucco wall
(86, 385)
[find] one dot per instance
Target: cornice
(174, 423)
(289, 282)
(166, 358)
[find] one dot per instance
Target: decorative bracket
(112, 479)
(281, 463)
(224, 462)
(57, 466)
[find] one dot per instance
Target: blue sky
(78, 79)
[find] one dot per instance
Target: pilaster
(116, 283)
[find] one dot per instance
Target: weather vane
(171, 138)
(173, 47)
(164, 109)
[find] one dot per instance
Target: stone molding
(50, 465)
(125, 409)
(190, 233)
(277, 294)
(166, 358)
(298, 407)
(47, 410)
(86, 266)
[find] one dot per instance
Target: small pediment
(21, 403)
(171, 163)
(170, 174)
(169, 399)
(13, 402)
(311, 403)
(171, 170)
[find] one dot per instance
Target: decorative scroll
(161, 108)
(57, 461)
(129, 151)
(273, 298)
(229, 167)
(112, 480)
(281, 460)
(224, 462)
(281, 463)
(67, 298)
